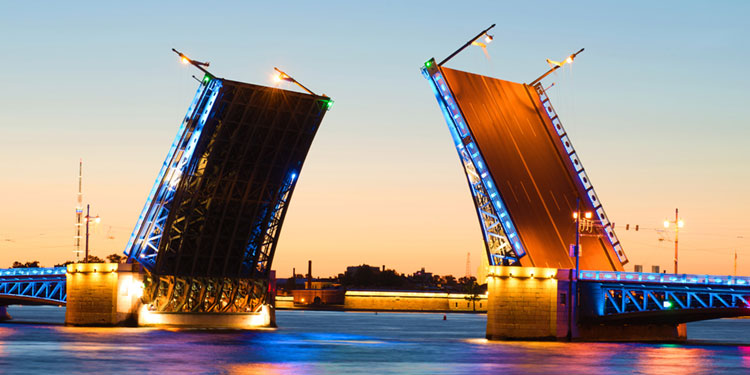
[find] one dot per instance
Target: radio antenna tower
(79, 214)
(468, 265)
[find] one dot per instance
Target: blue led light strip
(143, 244)
(663, 278)
(33, 271)
(500, 235)
(270, 233)
(45, 285)
(582, 178)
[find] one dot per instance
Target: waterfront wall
(103, 294)
(376, 300)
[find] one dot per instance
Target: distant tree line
(366, 276)
(112, 258)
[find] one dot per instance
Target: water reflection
(673, 359)
(349, 343)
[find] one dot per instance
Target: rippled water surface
(317, 342)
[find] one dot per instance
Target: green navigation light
(428, 64)
(329, 104)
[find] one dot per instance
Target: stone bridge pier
(534, 303)
(103, 294)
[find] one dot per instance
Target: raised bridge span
(207, 234)
(527, 180)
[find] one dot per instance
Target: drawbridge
(209, 228)
(523, 173)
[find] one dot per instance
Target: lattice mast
(79, 214)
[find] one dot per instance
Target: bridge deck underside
(229, 206)
(516, 140)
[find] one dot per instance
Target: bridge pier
(533, 303)
(4, 313)
(103, 294)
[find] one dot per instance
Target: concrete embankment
(407, 301)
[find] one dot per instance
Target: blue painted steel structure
(652, 297)
(208, 231)
(143, 244)
(500, 235)
(33, 286)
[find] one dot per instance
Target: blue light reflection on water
(314, 342)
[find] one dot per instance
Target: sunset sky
(656, 107)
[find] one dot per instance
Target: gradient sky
(656, 107)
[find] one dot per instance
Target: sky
(655, 106)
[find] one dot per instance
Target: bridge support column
(103, 294)
(528, 303)
(4, 314)
(522, 303)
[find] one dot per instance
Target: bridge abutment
(533, 303)
(103, 294)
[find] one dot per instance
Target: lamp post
(573, 290)
(577, 216)
(677, 225)
(97, 219)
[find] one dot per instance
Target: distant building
(352, 270)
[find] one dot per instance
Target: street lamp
(556, 65)
(475, 41)
(678, 223)
(573, 294)
(577, 216)
(89, 218)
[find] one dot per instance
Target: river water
(321, 342)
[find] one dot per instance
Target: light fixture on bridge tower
(281, 76)
(556, 65)
(198, 64)
(473, 41)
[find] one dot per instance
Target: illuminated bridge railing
(33, 285)
(59, 271)
(663, 278)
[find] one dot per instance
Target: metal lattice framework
(654, 296)
(500, 236)
(145, 240)
(33, 286)
(209, 230)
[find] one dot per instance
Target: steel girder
(637, 296)
(34, 285)
(205, 294)
(143, 245)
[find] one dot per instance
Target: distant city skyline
(655, 107)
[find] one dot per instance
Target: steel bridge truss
(500, 236)
(625, 298)
(144, 242)
(34, 285)
(621, 294)
(205, 294)
(270, 234)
